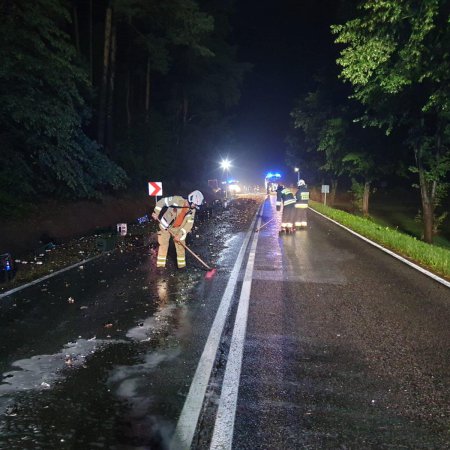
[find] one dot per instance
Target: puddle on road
(97, 392)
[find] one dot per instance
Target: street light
(298, 173)
(225, 164)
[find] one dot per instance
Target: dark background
(288, 42)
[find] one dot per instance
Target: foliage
(157, 27)
(147, 150)
(357, 190)
(328, 127)
(42, 108)
(205, 89)
(396, 55)
(170, 82)
(323, 130)
(180, 56)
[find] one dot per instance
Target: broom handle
(187, 248)
(192, 253)
(262, 226)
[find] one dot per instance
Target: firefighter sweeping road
(313, 339)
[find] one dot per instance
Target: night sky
(288, 42)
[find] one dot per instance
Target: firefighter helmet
(196, 197)
(301, 183)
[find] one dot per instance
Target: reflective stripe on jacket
(302, 196)
(174, 212)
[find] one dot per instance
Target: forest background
(97, 95)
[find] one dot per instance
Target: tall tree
(323, 133)
(102, 109)
(208, 86)
(396, 56)
(42, 108)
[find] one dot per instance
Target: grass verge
(436, 259)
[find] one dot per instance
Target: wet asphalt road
(345, 347)
(102, 356)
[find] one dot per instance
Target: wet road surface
(343, 347)
(102, 356)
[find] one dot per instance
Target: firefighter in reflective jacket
(301, 205)
(286, 198)
(177, 214)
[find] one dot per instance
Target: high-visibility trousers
(301, 214)
(287, 217)
(164, 241)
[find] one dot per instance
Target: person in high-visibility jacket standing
(177, 215)
(286, 198)
(301, 205)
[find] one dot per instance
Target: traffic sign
(155, 188)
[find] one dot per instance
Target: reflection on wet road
(101, 356)
(78, 351)
(343, 347)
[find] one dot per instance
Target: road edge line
(389, 252)
(187, 422)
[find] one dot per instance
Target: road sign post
(325, 190)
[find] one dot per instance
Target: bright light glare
(225, 164)
(234, 188)
(296, 169)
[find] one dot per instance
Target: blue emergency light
(273, 175)
(7, 266)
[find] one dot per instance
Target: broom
(211, 271)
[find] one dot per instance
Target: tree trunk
(110, 105)
(76, 31)
(128, 78)
(365, 199)
(91, 70)
(427, 207)
(104, 82)
(334, 185)
(128, 97)
(147, 91)
(182, 114)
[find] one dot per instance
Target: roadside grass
(398, 208)
(400, 221)
(432, 257)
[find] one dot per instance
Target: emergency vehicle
(271, 182)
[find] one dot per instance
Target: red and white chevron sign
(155, 188)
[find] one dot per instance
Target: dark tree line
(101, 95)
(394, 57)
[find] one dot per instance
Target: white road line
(223, 429)
(184, 432)
(46, 277)
(404, 260)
